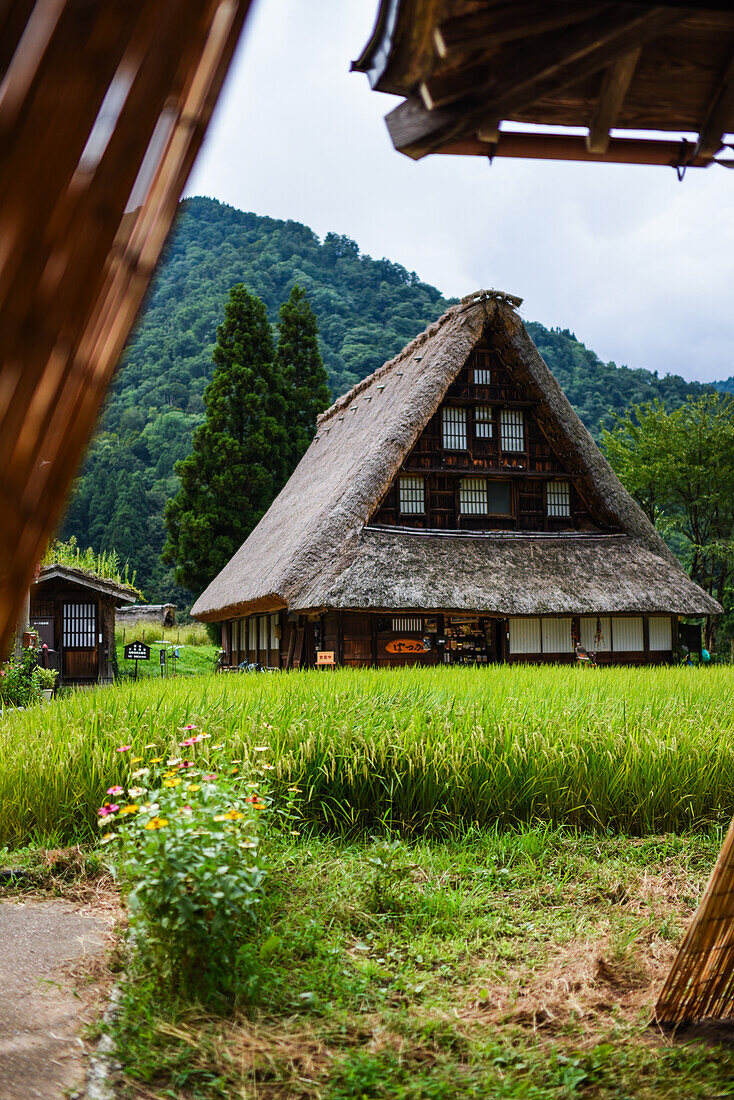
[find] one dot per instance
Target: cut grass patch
(521, 964)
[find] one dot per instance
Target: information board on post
(325, 658)
(137, 651)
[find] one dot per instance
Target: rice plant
(637, 751)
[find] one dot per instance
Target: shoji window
(482, 377)
(263, 620)
(274, 625)
(525, 635)
(454, 429)
(407, 625)
(412, 495)
(473, 496)
(235, 636)
(483, 426)
(252, 635)
(627, 634)
(80, 626)
(513, 430)
(661, 633)
(556, 634)
(558, 498)
(596, 633)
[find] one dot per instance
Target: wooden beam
(518, 77)
(539, 146)
(503, 23)
(720, 118)
(615, 86)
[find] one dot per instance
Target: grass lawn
(515, 964)
(193, 660)
(493, 872)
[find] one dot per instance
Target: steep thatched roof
(314, 531)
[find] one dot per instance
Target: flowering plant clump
(189, 842)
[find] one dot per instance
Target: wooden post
(24, 624)
(373, 639)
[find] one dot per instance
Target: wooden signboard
(405, 646)
(325, 658)
(137, 651)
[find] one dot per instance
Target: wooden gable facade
(485, 463)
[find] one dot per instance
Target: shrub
(189, 839)
(19, 682)
(46, 678)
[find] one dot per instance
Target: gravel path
(41, 1013)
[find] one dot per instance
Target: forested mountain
(367, 311)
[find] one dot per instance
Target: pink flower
(210, 777)
(107, 809)
(115, 790)
(191, 726)
(186, 764)
(124, 748)
(188, 742)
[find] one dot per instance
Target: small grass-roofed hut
(453, 509)
(73, 613)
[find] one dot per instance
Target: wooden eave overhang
(623, 82)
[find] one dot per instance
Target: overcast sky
(638, 265)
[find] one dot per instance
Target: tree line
(260, 417)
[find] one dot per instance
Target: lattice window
(473, 496)
(263, 631)
(483, 426)
(454, 429)
(80, 626)
(407, 625)
(274, 631)
(482, 377)
(412, 495)
(252, 635)
(513, 430)
(558, 498)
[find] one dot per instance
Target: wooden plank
(73, 264)
(501, 23)
(617, 80)
(520, 76)
(720, 118)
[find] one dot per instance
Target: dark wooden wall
(77, 665)
(528, 472)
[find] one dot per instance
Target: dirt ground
(53, 980)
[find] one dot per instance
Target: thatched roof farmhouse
(452, 508)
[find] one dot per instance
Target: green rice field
(419, 751)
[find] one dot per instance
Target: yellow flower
(171, 782)
(167, 775)
(135, 759)
(233, 815)
(131, 809)
(233, 771)
(156, 759)
(107, 838)
(194, 787)
(156, 823)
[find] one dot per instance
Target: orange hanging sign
(405, 645)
